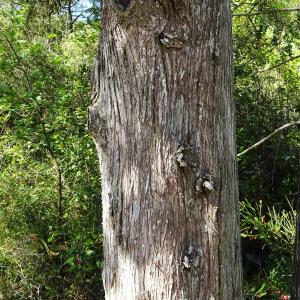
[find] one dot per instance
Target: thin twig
(282, 63)
(267, 12)
(268, 137)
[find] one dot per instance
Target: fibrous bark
(163, 122)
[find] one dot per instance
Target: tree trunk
(163, 123)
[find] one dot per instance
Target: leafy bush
(50, 216)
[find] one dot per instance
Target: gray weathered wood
(163, 123)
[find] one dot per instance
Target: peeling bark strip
(163, 123)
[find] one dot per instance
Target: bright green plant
(276, 230)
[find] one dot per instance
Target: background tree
(164, 126)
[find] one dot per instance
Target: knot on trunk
(122, 5)
(187, 157)
(191, 257)
(205, 183)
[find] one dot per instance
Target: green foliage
(276, 232)
(47, 156)
(275, 229)
(267, 88)
(267, 95)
